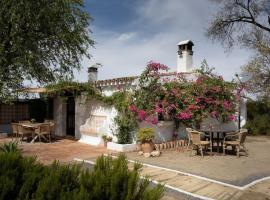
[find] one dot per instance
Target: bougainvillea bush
(186, 99)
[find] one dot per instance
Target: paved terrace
(169, 169)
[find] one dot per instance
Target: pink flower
(141, 115)
(184, 115)
(231, 117)
(226, 104)
(154, 66)
(152, 120)
(132, 108)
(159, 110)
(192, 107)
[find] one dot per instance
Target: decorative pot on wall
(147, 147)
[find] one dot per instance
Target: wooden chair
(196, 142)
(43, 130)
(24, 132)
(14, 127)
(237, 141)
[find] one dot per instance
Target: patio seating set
(204, 140)
(32, 130)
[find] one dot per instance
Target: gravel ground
(229, 168)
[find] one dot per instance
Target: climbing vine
(125, 120)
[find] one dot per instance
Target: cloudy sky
(129, 33)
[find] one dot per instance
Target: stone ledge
(121, 147)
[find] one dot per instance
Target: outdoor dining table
(34, 126)
(220, 134)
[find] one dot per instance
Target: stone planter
(121, 147)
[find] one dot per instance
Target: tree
(246, 22)
(41, 41)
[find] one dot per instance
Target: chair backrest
(22, 129)
(188, 132)
(48, 121)
(25, 122)
(14, 127)
(44, 129)
(195, 137)
(242, 135)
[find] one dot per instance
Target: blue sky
(129, 33)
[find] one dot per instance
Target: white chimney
(93, 72)
(185, 56)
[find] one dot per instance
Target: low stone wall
(171, 145)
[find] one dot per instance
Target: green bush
(258, 117)
(146, 134)
(9, 147)
(25, 178)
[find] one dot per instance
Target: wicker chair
(43, 130)
(196, 142)
(14, 127)
(24, 132)
(236, 140)
(24, 122)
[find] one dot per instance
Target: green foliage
(146, 134)
(111, 179)
(72, 88)
(258, 117)
(125, 120)
(9, 147)
(41, 41)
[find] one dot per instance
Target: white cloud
(153, 35)
(126, 36)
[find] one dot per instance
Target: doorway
(70, 125)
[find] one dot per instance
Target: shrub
(25, 178)
(146, 135)
(9, 147)
(258, 117)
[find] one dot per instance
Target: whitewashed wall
(85, 110)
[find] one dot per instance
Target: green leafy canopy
(41, 41)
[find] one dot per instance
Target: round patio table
(220, 134)
(34, 126)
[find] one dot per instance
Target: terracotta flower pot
(147, 147)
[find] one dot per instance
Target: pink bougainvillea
(132, 108)
(184, 116)
(154, 66)
(231, 117)
(226, 104)
(141, 115)
(181, 99)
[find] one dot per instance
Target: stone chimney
(93, 72)
(185, 56)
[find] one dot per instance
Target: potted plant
(146, 136)
(106, 139)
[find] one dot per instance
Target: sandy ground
(229, 168)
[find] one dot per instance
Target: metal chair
(237, 141)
